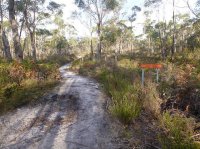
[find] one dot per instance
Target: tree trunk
(91, 49)
(31, 31)
(91, 42)
(33, 45)
(173, 49)
(6, 46)
(116, 53)
(163, 51)
(99, 41)
(120, 46)
(149, 46)
(132, 40)
(5, 42)
(24, 45)
(13, 22)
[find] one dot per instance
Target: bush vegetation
(26, 82)
(126, 98)
(177, 132)
(121, 81)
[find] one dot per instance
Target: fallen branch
(195, 135)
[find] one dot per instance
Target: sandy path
(72, 117)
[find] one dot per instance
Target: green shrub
(103, 77)
(19, 82)
(126, 63)
(178, 132)
(29, 65)
(17, 73)
(126, 104)
(76, 64)
(116, 80)
(14, 96)
(4, 71)
(58, 59)
(126, 109)
(9, 89)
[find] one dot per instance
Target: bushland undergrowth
(126, 97)
(174, 114)
(25, 82)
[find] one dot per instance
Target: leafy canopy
(108, 4)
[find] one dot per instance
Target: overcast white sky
(167, 11)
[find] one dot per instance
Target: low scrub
(58, 59)
(13, 96)
(126, 106)
(22, 83)
(178, 132)
(152, 100)
(126, 102)
(122, 82)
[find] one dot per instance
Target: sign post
(142, 77)
(157, 75)
(150, 66)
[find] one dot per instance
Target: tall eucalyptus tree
(132, 18)
(14, 26)
(33, 13)
(98, 10)
(5, 42)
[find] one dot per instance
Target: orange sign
(156, 66)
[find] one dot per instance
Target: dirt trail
(72, 117)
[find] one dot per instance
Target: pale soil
(71, 117)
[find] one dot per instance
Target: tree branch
(192, 10)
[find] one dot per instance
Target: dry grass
(152, 100)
